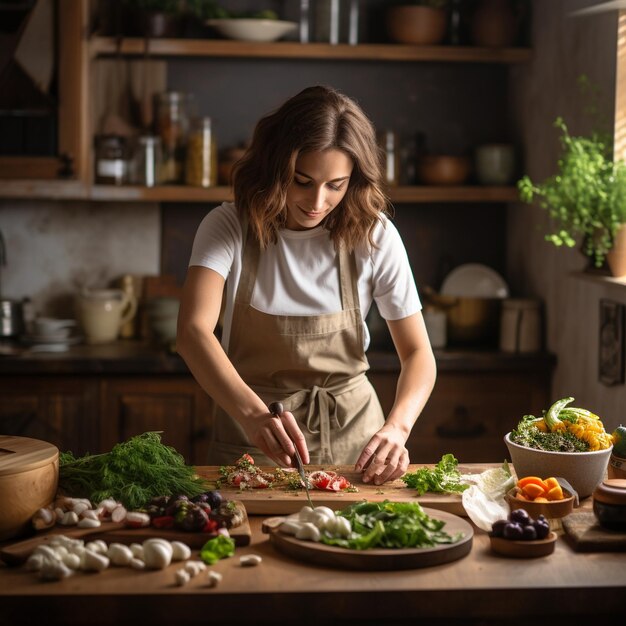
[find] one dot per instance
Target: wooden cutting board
(378, 559)
(585, 534)
(17, 553)
(279, 501)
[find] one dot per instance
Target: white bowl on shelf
(252, 29)
(474, 280)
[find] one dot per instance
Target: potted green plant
(585, 199)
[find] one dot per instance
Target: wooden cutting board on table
(280, 501)
(585, 534)
(16, 553)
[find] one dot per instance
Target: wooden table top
(479, 587)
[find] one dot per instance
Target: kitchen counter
(481, 588)
(135, 357)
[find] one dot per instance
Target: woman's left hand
(385, 457)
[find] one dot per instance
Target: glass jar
(201, 163)
(148, 162)
(388, 141)
(172, 126)
(112, 161)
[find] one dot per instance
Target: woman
(299, 257)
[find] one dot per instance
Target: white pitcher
(102, 312)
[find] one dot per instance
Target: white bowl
(251, 29)
(584, 471)
(474, 280)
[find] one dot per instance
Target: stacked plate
(52, 335)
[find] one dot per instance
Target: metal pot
(470, 321)
(11, 318)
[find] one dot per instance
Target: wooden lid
(20, 454)
(611, 491)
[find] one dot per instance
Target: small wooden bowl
(524, 549)
(551, 510)
(443, 169)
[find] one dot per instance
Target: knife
(276, 408)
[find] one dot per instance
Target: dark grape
(520, 516)
(497, 528)
(529, 533)
(542, 527)
(512, 530)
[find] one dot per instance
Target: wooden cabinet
(175, 405)
(63, 174)
(469, 412)
(92, 414)
(61, 410)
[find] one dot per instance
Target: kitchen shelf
(602, 279)
(107, 46)
(73, 190)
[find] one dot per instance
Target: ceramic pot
(417, 25)
(616, 258)
(494, 24)
(103, 312)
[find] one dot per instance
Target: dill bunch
(133, 473)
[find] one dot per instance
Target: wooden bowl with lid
(609, 503)
(29, 475)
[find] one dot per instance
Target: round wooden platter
(378, 559)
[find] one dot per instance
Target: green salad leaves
(443, 478)
(390, 525)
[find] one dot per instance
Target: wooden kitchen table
(481, 588)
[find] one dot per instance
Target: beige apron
(315, 365)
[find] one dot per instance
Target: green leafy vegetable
(443, 478)
(133, 473)
(390, 525)
(219, 547)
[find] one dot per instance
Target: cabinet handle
(460, 425)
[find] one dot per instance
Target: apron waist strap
(321, 407)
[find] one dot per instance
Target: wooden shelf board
(72, 190)
(106, 46)
(44, 189)
(602, 279)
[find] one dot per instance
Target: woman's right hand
(276, 435)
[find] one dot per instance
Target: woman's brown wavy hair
(316, 119)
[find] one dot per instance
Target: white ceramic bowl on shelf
(582, 470)
(252, 29)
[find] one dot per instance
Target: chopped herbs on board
(133, 473)
(443, 478)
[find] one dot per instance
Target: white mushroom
(180, 551)
(213, 578)
(290, 527)
(309, 532)
(94, 562)
(249, 560)
(157, 553)
(88, 522)
(119, 554)
(54, 570)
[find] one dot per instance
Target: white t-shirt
(299, 274)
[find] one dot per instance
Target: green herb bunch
(443, 478)
(586, 198)
(133, 473)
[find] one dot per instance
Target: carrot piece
(541, 499)
(521, 496)
(556, 493)
(551, 483)
(533, 491)
(529, 480)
